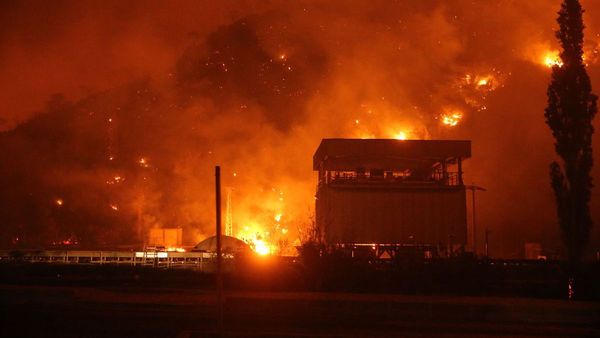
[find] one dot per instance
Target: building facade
(391, 192)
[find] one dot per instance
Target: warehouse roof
(349, 154)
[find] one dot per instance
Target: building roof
(229, 245)
(386, 154)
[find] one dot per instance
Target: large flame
(401, 135)
(261, 247)
(451, 119)
(552, 58)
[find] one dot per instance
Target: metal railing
(202, 261)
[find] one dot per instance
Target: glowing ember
(114, 207)
(143, 162)
(451, 119)
(59, 202)
(68, 241)
(552, 59)
(278, 218)
(116, 179)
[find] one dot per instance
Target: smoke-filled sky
(169, 89)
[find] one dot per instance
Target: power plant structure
(392, 196)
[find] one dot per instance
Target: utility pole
(474, 188)
(219, 249)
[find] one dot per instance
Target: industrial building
(391, 193)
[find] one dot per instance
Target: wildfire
(590, 55)
(143, 162)
(400, 136)
(451, 119)
(552, 58)
(115, 179)
(483, 82)
(258, 240)
(261, 247)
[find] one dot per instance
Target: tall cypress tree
(571, 109)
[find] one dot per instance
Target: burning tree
(571, 109)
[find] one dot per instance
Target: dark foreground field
(54, 300)
(69, 311)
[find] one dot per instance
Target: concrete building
(392, 192)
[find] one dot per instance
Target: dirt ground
(75, 311)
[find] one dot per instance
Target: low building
(393, 192)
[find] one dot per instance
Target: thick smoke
(169, 90)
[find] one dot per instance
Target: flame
(261, 247)
(400, 136)
(258, 241)
(278, 218)
(143, 162)
(483, 82)
(175, 249)
(115, 179)
(552, 58)
(451, 119)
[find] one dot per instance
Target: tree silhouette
(571, 109)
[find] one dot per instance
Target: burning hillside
(149, 106)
